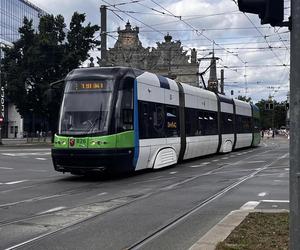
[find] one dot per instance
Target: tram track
(159, 231)
(139, 197)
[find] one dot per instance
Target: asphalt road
(166, 209)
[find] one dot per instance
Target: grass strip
(259, 231)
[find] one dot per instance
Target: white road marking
(26, 154)
(262, 194)
(205, 163)
(14, 182)
(215, 160)
(40, 198)
(195, 166)
(52, 210)
(225, 158)
(276, 201)
(6, 168)
(15, 189)
(275, 206)
(252, 162)
(174, 172)
(41, 159)
(287, 169)
(104, 193)
(249, 205)
(27, 149)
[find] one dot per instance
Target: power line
(196, 30)
(249, 19)
(135, 18)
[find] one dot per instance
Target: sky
(255, 57)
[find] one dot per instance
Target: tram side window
(226, 123)
(256, 124)
(210, 123)
(151, 120)
(124, 112)
(244, 124)
(191, 122)
(144, 120)
(172, 121)
(200, 122)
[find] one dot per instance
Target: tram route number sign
(90, 86)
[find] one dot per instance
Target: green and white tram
(122, 119)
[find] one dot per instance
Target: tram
(123, 119)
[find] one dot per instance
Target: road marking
(262, 194)
(225, 158)
(249, 205)
(215, 160)
(174, 172)
(104, 193)
(276, 201)
(52, 210)
(40, 198)
(287, 169)
(195, 166)
(41, 159)
(252, 162)
(28, 149)
(15, 189)
(205, 163)
(14, 182)
(6, 168)
(26, 154)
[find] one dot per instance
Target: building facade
(12, 13)
(167, 59)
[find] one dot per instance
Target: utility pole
(2, 111)
(294, 128)
(272, 12)
(103, 13)
(222, 82)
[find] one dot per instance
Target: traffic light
(269, 11)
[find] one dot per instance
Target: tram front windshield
(86, 107)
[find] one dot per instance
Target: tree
(244, 98)
(40, 58)
(274, 118)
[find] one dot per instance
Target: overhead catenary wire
(258, 30)
(200, 33)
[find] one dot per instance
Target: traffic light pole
(0, 88)
(295, 127)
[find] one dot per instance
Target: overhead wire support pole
(295, 128)
(103, 13)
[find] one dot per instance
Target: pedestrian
(273, 133)
(262, 133)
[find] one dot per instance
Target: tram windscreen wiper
(98, 120)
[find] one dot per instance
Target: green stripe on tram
(120, 140)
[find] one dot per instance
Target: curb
(222, 230)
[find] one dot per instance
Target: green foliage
(244, 98)
(39, 58)
(272, 118)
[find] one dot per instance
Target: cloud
(214, 20)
